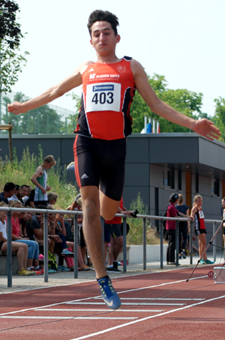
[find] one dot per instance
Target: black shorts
(114, 229)
(1, 243)
(200, 231)
(100, 163)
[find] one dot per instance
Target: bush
(135, 235)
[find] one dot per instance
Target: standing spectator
(223, 205)
(200, 229)
(20, 248)
(8, 192)
(116, 238)
(171, 228)
(184, 226)
(40, 181)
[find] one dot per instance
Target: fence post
(214, 242)
(144, 243)
(124, 244)
(45, 247)
(9, 249)
(190, 243)
(177, 243)
(161, 244)
(75, 240)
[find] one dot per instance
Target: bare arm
(54, 92)
(203, 127)
(38, 173)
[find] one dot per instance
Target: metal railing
(75, 214)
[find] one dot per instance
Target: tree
(182, 100)
(11, 62)
(219, 116)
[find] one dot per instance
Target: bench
(3, 264)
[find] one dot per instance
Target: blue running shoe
(209, 262)
(109, 294)
(203, 262)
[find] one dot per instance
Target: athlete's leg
(202, 245)
(108, 207)
(92, 227)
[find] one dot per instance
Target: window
(215, 187)
(168, 178)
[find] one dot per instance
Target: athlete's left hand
(206, 128)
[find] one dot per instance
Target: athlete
(200, 229)
(104, 122)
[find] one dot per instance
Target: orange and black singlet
(107, 93)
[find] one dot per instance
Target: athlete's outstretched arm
(203, 127)
(54, 92)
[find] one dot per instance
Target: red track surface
(154, 306)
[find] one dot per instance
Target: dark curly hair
(99, 15)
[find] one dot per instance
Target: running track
(154, 306)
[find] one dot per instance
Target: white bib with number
(103, 97)
(201, 214)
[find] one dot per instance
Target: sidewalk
(21, 283)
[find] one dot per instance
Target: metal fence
(75, 214)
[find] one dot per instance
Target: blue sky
(182, 40)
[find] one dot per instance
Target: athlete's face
(103, 38)
(199, 202)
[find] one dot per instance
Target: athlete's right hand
(16, 108)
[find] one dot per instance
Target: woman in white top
(20, 248)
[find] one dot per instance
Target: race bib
(103, 97)
(201, 214)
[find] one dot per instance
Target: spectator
(184, 226)
(171, 228)
(7, 192)
(116, 238)
(52, 198)
(200, 229)
(23, 192)
(15, 194)
(30, 201)
(20, 248)
(33, 247)
(25, 198)
(40, 181)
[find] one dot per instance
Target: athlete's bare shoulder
(136, 67)
(84, 66)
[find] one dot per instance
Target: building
(156, 166)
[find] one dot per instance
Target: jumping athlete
(104, 122)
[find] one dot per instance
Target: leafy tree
(10, 34)
(219, 117)
(187, 102)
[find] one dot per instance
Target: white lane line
(132, 304)
(147, 318)
(99, 310)
(89, 298)
(68, 317)
(161, 299)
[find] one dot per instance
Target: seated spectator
(21, 249)
(23, 192)
(15, 194)
(7, 192)
(25, 198)
(30, 201)
(61, 229)
(52, 198)
(33, 247)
